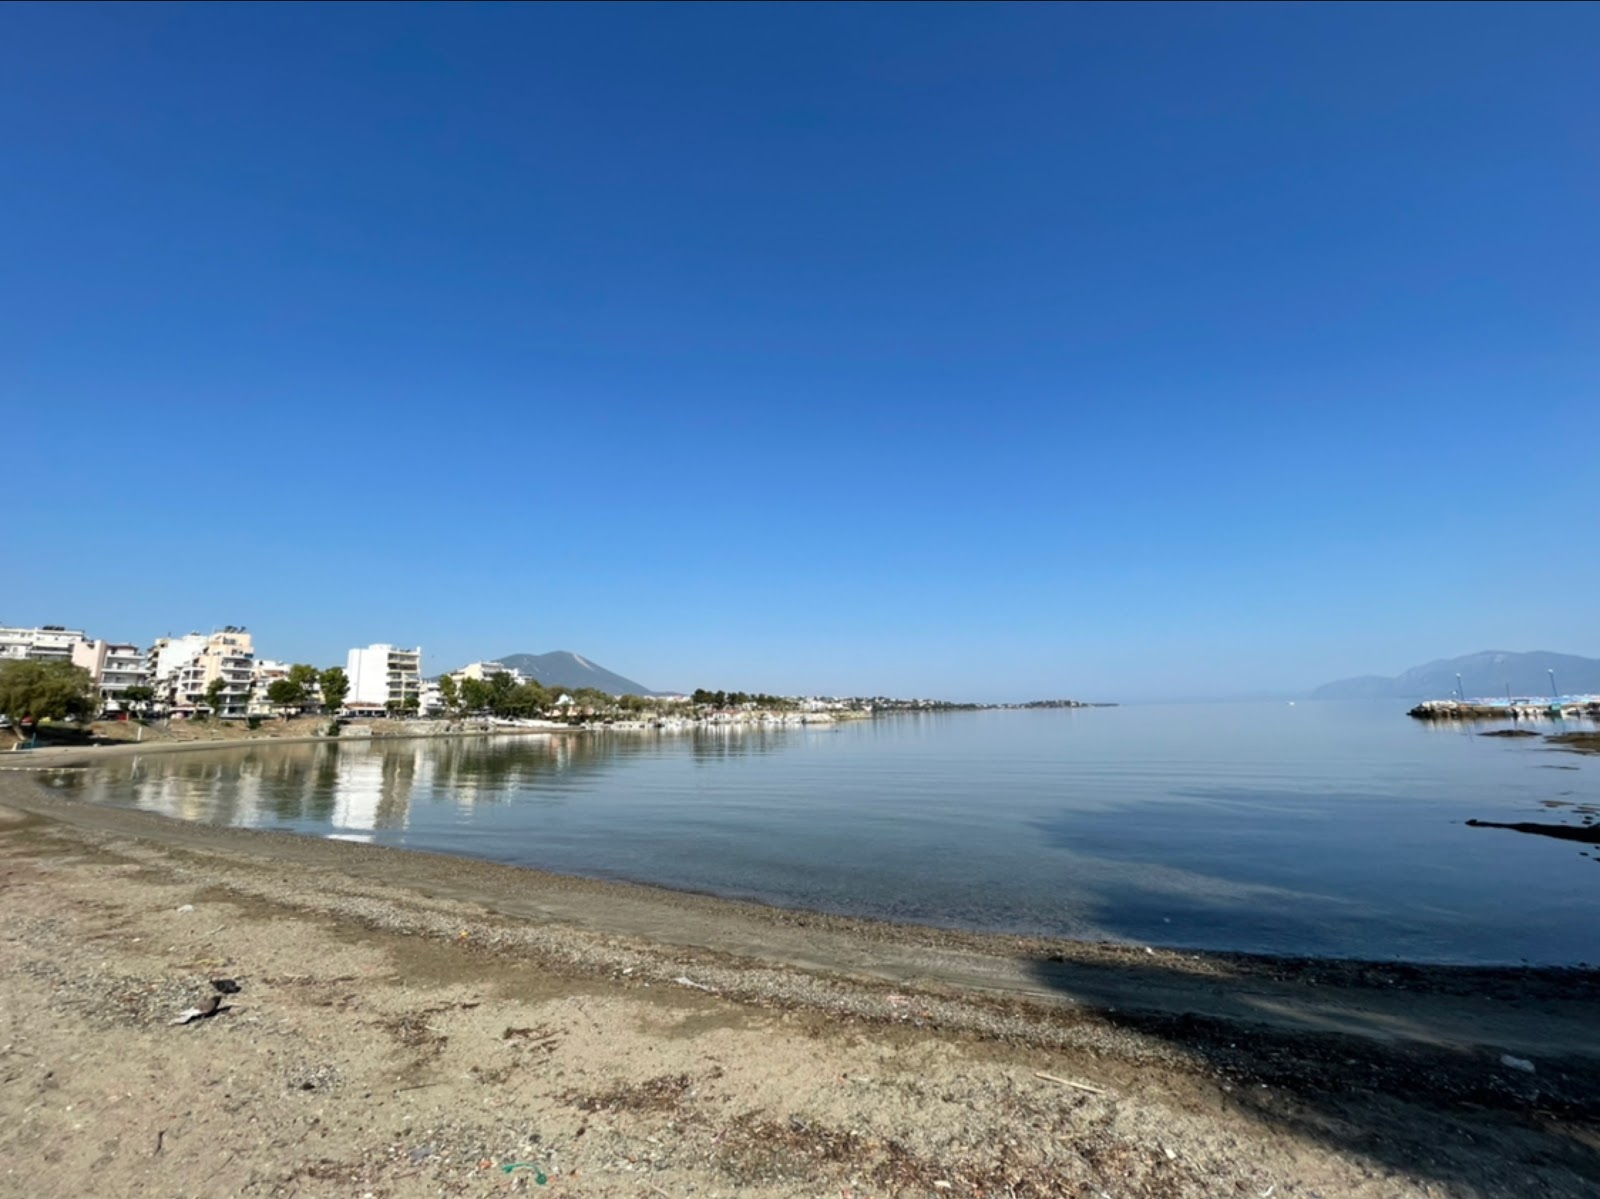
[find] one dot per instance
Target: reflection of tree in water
(394, 796)
(249, 786)
(298, 782)
(322, 794)
(493, 770)
(306, 783)
(718, 742)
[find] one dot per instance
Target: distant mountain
(1482, 675)
(566, 669)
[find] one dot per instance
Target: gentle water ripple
(1329, 828)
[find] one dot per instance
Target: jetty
(1557, 707)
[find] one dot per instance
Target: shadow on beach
(1392, 1089)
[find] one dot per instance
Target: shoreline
(791, 937)
(637, 894)
(65, 757)
(412, 1024)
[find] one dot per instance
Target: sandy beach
(408, 1024)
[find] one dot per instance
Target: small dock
(1558, 707)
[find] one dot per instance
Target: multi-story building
(265, 672)
(484, 671)
(48, 643)
(430, 702)
(164, 659)
(113, 666)
(381, 675)
(182, 670)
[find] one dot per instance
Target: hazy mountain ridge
(563, 668)
(1484, 674)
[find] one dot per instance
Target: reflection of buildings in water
(372, 787)
(399, 779)
(187, 793)
(358, 789)
(737, 740)
(467, 773)
(247, 803)
(425, 771)
(228, 791)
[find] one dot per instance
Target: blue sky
(979, 351)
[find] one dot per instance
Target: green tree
(214, 695)
(137, 698)
(285, 694)
(527, 699)
(475, 695)
(449, 694)
(501, 688)
(335, 686)
(591, 697)
(46, 691)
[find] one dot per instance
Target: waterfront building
(47, 643)
(166, 657)
(384, 674)
(429, 701)
(183, 668)
(263, 673)
(484, 671)
(114, 667)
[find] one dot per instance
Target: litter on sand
(538, 1174)
(208, 1007)
(1071, 1082)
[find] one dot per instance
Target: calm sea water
(1323, 828)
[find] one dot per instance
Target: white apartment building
(263, 673)
(114, 667)
(484, 671)
(182, 668)
(384, 674)
(430, 702)
(167, 656)
(47, 643)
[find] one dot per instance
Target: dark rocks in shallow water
(1509, 733)
(1583, 743)
(1562, 832)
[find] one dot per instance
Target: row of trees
(501, 695)
(304, 685)
(62, 691)
(738, 699)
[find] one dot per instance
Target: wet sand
(411, 1024)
